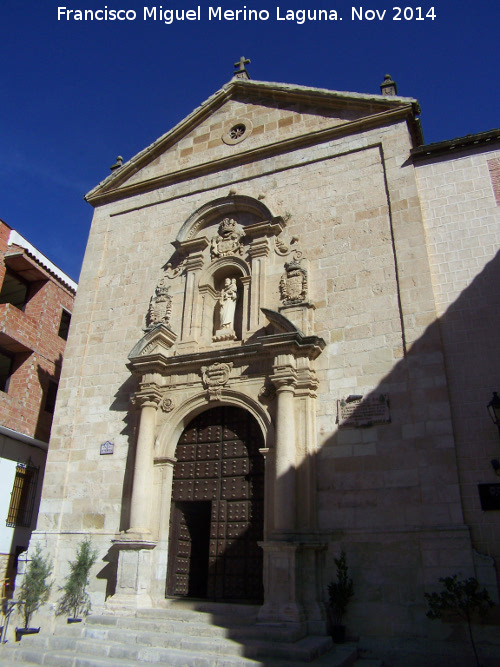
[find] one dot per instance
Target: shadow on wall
(123, 404)
(386, 493)
(48, 390)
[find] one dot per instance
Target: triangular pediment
(243, 121)
(153, 349)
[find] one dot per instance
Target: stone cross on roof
(241, 72)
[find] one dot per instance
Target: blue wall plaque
(107, 447)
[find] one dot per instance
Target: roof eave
(453, 146)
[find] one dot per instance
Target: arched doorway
(217, 514)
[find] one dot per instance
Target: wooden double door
(217, 515)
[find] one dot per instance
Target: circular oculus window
(237, 131)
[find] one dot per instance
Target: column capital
(307, 382)
(284, 377)
(194, 263)
(284, 383)
(148, 396)
(165, 461)
(259, 248)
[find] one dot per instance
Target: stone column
(284, 491)
(258, 251)
(135, 546)
(148, 399)
(190, 316)
(164, 469)
(246, 281)
(281, 602)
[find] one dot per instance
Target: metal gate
(218, 508)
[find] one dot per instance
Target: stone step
(203, 613)
(22, 657)
(119, 658)
(189, 624)
(177, 637)
(109, 641)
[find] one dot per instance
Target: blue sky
(76, 94)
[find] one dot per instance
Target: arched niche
(225, 238)
(247, 210)
(212, 282)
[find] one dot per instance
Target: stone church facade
(256, 377)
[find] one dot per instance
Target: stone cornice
(185, 248)
(405, 112)
(293, 343)
(107, 190)
(454, 146)
(272, 227)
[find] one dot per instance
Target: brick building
(36, 301)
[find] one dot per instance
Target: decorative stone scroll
(160, 305)
(293, 283)
(228, 240)
(149, 348)
(214, 378)
(267, 394)
(360, 411)
(284, 245)
(172, 272)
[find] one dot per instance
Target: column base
(292, 590)
(133, 585)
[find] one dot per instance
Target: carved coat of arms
(293, 283)
(214, 378)
(228, 240)
(160, 305)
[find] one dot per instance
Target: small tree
(462, 599)
(35, 589)
(340, 591)
(75, 599)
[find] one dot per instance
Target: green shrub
(340, 591)
(462, 599)
(75, 599)
(35, 590)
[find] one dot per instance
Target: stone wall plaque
(489, 495)
(361, 411)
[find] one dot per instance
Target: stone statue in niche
(293, 283)
(228, 240)
(227, 301)
(228, 297)
(160, 305)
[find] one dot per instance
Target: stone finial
(241, 71)
(117, 164)
(388, 86)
